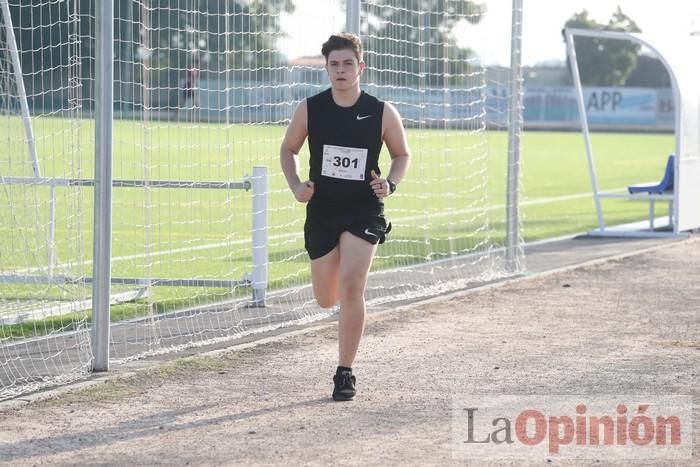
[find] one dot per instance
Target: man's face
(343, 69)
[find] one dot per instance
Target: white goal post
(673, 51)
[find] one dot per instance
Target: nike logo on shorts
(371, 233)
(362, 117)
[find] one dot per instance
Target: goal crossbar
(57, 182)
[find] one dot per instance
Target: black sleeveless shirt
(343, 136)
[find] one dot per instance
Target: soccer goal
(184, 116)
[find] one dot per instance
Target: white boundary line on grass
(531, 202)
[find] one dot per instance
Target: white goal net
(203, 92)
(44, 297)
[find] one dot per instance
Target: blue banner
(621, 106)
(606, 107)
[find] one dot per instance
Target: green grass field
(441, 208)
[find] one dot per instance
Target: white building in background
(308, 69)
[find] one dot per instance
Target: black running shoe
(344, 386)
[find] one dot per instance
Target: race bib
(345, 163)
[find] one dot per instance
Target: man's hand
(304, 191)
(379, 185)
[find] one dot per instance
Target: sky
(544, 19)
(542, 24)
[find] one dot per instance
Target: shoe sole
(341, 397)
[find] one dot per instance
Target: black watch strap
(392, 185)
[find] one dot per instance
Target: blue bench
(657, 192)
(664, 186)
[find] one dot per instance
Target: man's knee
(326, 301)
(352, 290)
(325, 298)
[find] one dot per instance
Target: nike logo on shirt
(362, 117)
(370, 233)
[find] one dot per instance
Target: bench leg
(651, 214)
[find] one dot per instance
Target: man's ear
(362, 66)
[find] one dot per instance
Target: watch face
(392, 186)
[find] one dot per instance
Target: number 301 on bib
(343, 162)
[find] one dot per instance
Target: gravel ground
(626, 326)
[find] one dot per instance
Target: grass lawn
(452, 201)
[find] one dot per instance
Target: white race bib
(343, 162)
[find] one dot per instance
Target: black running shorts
(322, 232)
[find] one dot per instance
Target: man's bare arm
(296, 134)
(394, 136)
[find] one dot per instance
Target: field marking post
(260, 257)
(19, 81)
(102, 242)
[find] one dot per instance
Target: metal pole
(21, 91)
(352, 18)
(260, 259)
(102, 242)
(52, 231)
(515, 127)
(228, 51)
(571, 51)
(127, 64)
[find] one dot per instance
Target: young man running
(346, 128)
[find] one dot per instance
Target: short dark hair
(341, 41)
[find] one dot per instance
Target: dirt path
(630, 326)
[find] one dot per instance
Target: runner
(345, 192)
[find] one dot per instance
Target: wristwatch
(392, 186)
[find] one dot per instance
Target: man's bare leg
(356, 257)
(324, 278)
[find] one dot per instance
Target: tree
(220, 35)
(419, 40)
(246, 29)
(649, 73)
(604, 62)
(161, 34)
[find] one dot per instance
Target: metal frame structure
(257, 184)
(683, 202)
(19, 82)
(513, 237)
(103, 184)
(515, 130)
